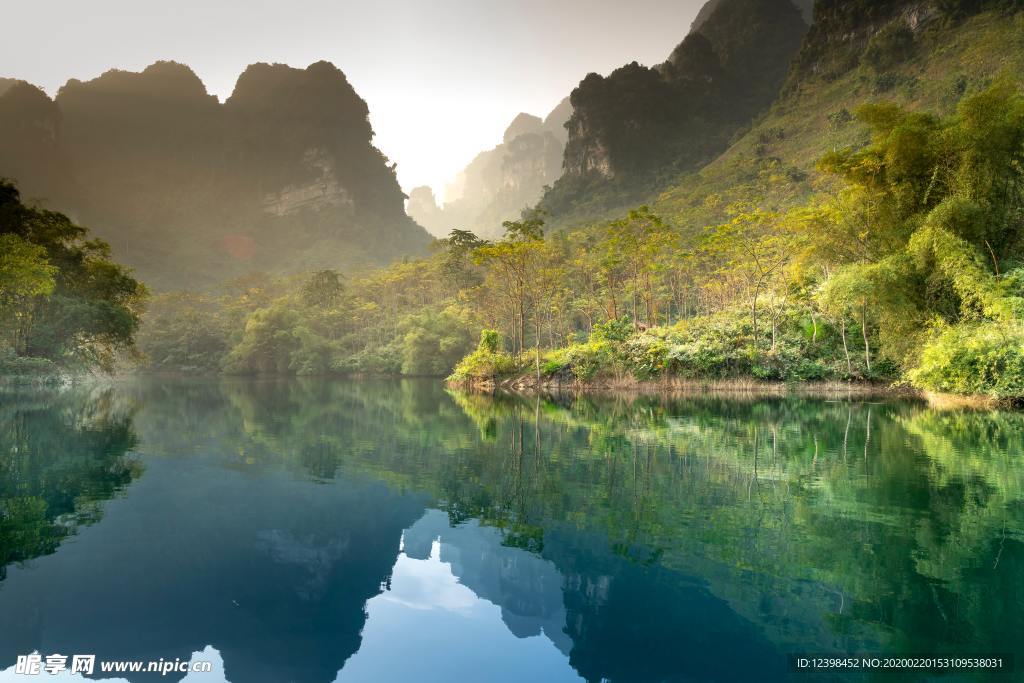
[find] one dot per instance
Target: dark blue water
(389, 531)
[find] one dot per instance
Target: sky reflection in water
(322, 531)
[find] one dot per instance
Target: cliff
(29, 151)
(499, 183)
(281, 177)
(633, 130)
(921, 54)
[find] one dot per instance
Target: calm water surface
(316, 531)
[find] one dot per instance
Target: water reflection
(436, 604)
(60, 457)
(313, 531)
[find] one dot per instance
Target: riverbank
(718, 354)
(735, 387)
(630, 384)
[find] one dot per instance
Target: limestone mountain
(281, 177)
(423, 207)
(499, 183)
(921, 54)
(634, 130)
(29, 125)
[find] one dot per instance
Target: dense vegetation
(908, 267)
(632, 131)
(896, 258)
(63, 302)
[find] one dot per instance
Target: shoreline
(735, 387)
(622, 386)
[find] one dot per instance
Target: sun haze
(432, 105)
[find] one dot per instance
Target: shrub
(373, 360)
(984, 358)
(489, 340)
(612, 330)
(594, 358)
(23, 366)
(890, 47)
(883, 83)
(433, 343)
(487, 362)
(839, 119)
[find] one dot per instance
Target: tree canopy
(61, 296)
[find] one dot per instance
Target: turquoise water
(316, 531)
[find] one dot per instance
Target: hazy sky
(442, 78)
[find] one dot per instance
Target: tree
(458, 249)
(322, 289)
(930, 210)
(93, 309)
(25, 274)
(518, 269)
(642, 243)
(755, 244)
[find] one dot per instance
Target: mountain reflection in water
(319, 531)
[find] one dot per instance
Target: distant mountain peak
(500, 182)
(172, 178)
(522, 124)
(164, 80)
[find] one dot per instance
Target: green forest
(906, 268)
(867, 227)
(65, 304)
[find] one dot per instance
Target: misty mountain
(499, 183)
(29, 128)
(924, 55)
(281, 177)
(637, 128)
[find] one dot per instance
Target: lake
(316, 531)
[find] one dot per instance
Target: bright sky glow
(443, 79)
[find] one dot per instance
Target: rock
(169, 176)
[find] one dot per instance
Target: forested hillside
(632, 131)
(926, 56)
(867, 227)
(282, 177)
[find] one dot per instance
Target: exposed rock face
(29, 125)
(639, 124)
(499, 183)
(322, 191)
(842, 30)
(177, 181)
(555, 121)
(422, 206)
(522, 124)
